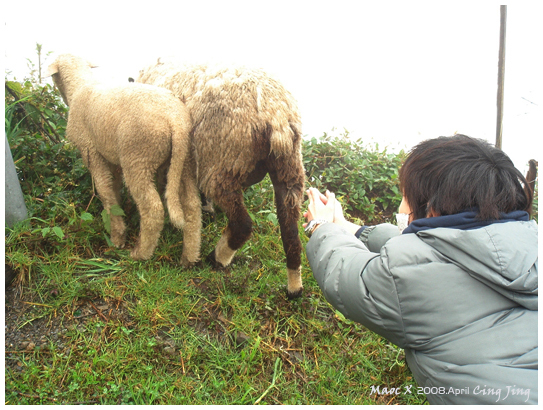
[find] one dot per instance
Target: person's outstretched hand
(320, 206)
(328, 208)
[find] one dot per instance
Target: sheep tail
(173, 184)
(280, 143)
(287, 149)
(284, 139)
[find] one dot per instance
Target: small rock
(23, 345)
(223, 319)
(241, 338)
(297, 357)
(169, 350)
(30, 346)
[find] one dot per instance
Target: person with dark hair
(457, 288)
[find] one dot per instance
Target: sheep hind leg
(288, 202)
(237, 232)
(192, 231)
(141, 187)
(108, 180)
(118, 227)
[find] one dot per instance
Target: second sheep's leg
(117, 180)
(108, 181)
(239, 226)
(116, 221)
(142, 188)
(288, 214)
(192, 231)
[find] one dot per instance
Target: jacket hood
(503, 256)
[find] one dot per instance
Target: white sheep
(245, 125)
(130, 131)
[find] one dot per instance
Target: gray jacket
(462, 303)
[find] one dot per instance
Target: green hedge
(364, 178)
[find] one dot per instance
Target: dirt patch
(26, 331)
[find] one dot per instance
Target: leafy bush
(365, 179)
(36, 109)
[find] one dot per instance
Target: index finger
(313, 194)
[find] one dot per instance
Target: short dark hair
(454, 174)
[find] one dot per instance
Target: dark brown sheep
(245, 125)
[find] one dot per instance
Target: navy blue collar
(464, 220)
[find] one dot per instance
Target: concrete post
(15, 204)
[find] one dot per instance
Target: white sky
(390, 72)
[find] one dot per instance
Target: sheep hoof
(294, 295)
(138, 255)
(118, 241)
(186, 264)
(213, 261)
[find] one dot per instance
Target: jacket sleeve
(356, 281)
(375, 237)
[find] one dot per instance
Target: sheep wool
(245, 125)
(131, 131)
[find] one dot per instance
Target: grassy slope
(152, 333)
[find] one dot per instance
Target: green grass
(154, 333)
